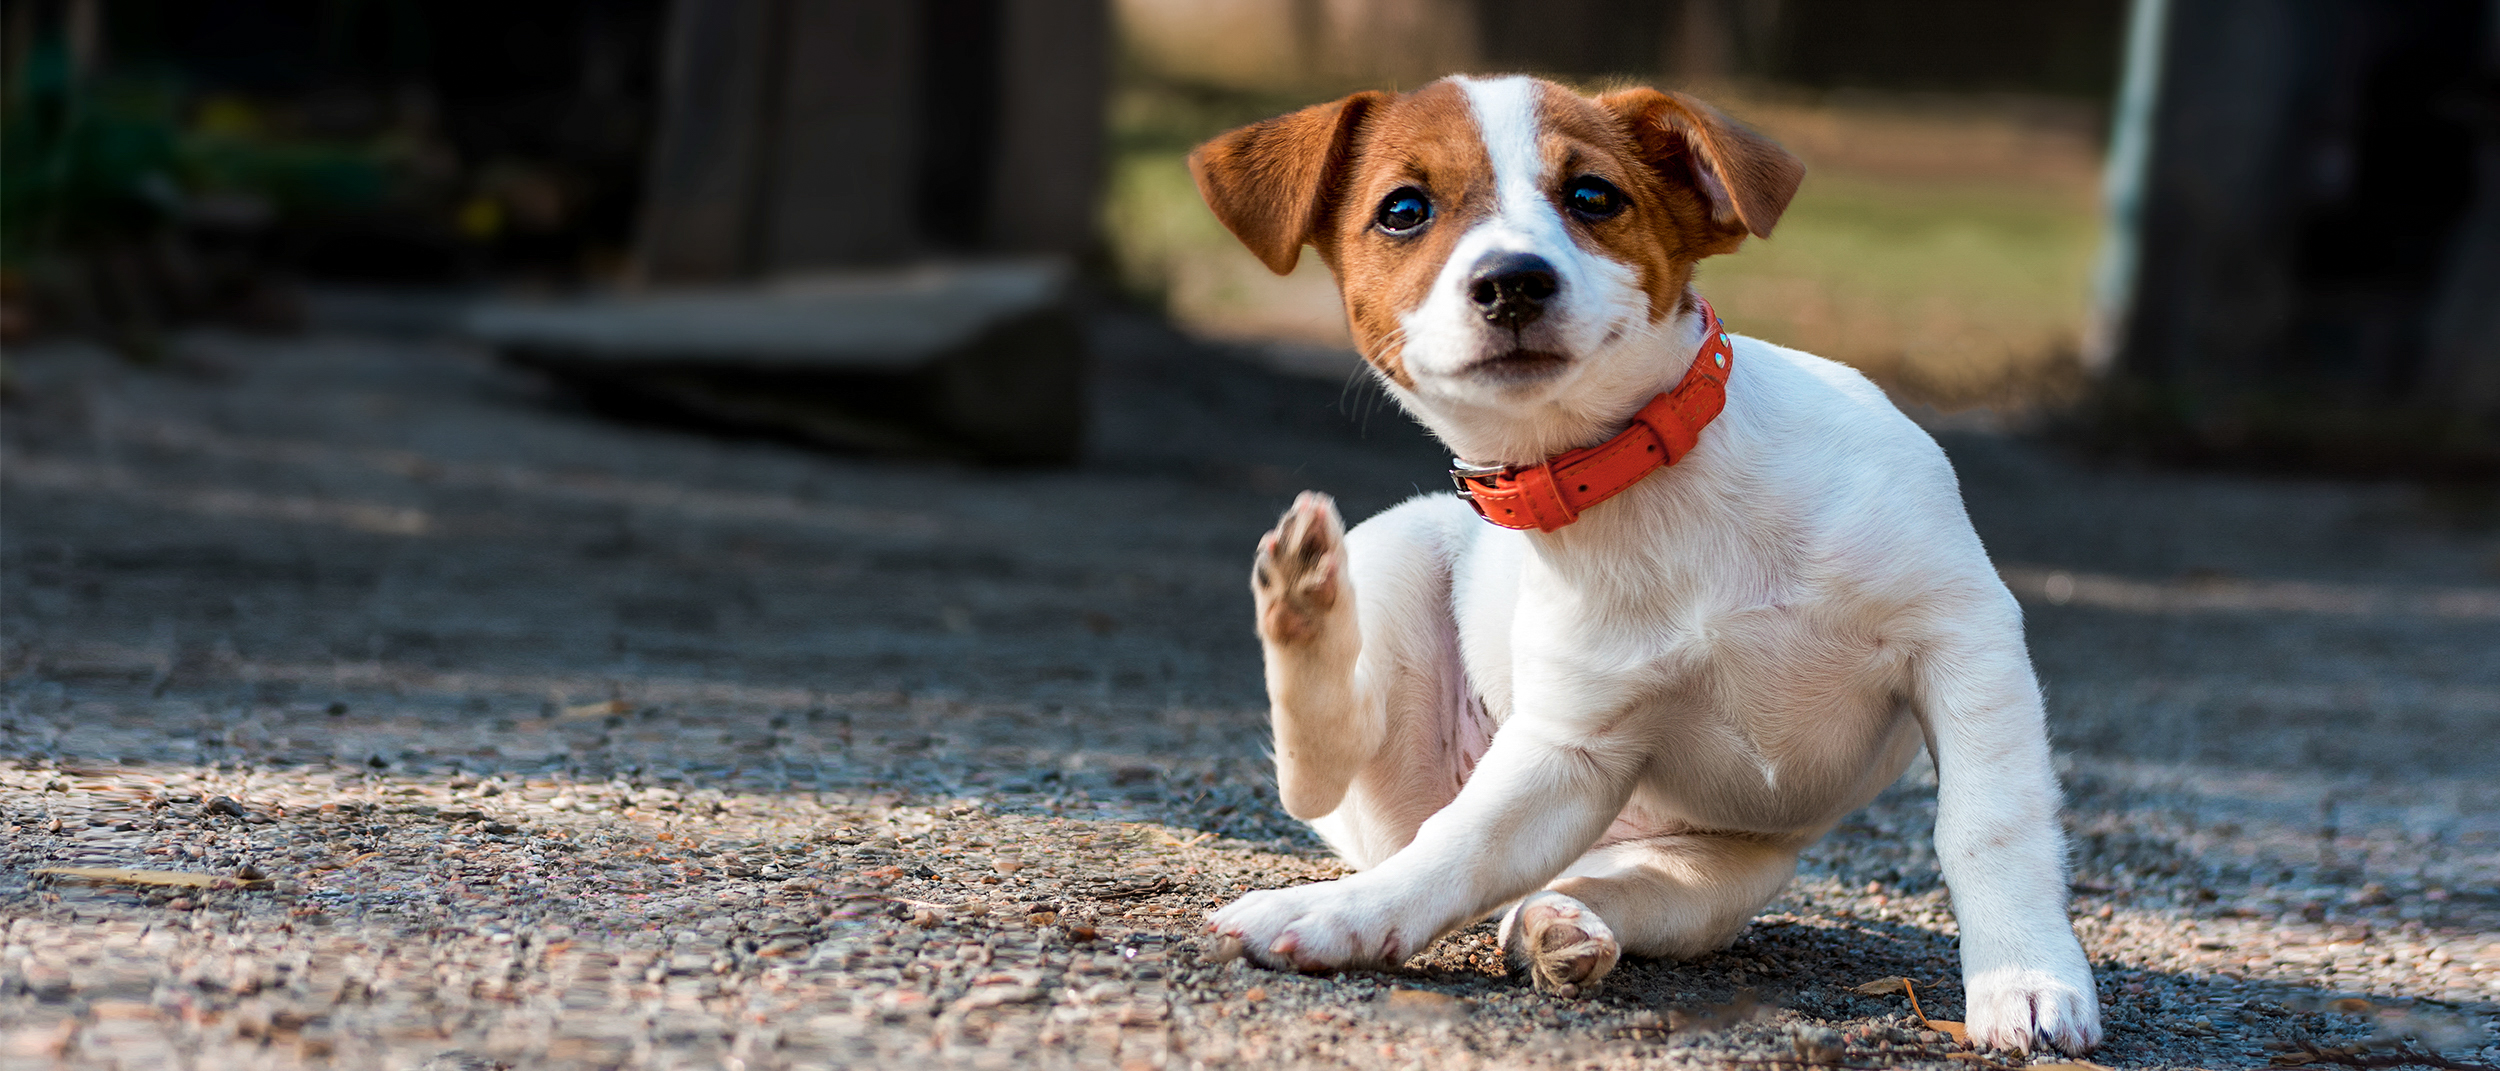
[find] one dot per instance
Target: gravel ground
(514, 735)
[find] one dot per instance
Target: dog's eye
(1403, 211)
(1594, 198)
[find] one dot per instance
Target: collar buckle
(1463, 470)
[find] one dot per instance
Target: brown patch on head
(1428, 142)
(1319, 175)
(1655, 233)
(1743, 178)
(1698, 181)
(1273, 184)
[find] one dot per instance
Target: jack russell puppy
(1726, 593)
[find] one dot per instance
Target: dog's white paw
(1566, 948)
(1331, 925)
(1298, 577)
(2026, 1009)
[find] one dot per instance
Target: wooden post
(808, 135)
(2465, 322)
(2213, 286)
(708, 163)
(2317, 245)
(1047, 174)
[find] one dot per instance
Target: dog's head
(1510, 252)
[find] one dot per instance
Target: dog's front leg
(1326, 728)
(2025, 980)
(1543, 793)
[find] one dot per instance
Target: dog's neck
(1653, 357)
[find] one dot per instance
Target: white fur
(1692, 683)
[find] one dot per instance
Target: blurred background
(2289, 260)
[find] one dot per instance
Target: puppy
(1726, 593)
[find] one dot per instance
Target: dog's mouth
(1519, 366)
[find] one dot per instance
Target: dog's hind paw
(1300, 573)
(1565, 947)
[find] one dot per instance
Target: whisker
(1395, 338)
(1391, 344)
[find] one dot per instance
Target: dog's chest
(1748, 710)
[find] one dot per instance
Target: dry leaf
(1959, 1033)
(604, 709)
(1898, 984)
(179, 879)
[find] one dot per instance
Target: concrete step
(981, 360)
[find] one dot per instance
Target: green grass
(1949, 294)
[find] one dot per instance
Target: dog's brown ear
(1746, 178)
(1270, 183)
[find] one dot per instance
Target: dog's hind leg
(1677, 896)
(1375, 728)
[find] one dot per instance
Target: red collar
(1553, 493)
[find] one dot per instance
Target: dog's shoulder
(1792, 403)
(1825, 449)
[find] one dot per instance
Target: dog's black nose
(1510, 289)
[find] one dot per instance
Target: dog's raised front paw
(2026, 1009)
(1300, 573)
(1566, 948)
(1327, 926)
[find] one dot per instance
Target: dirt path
(565, 742)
